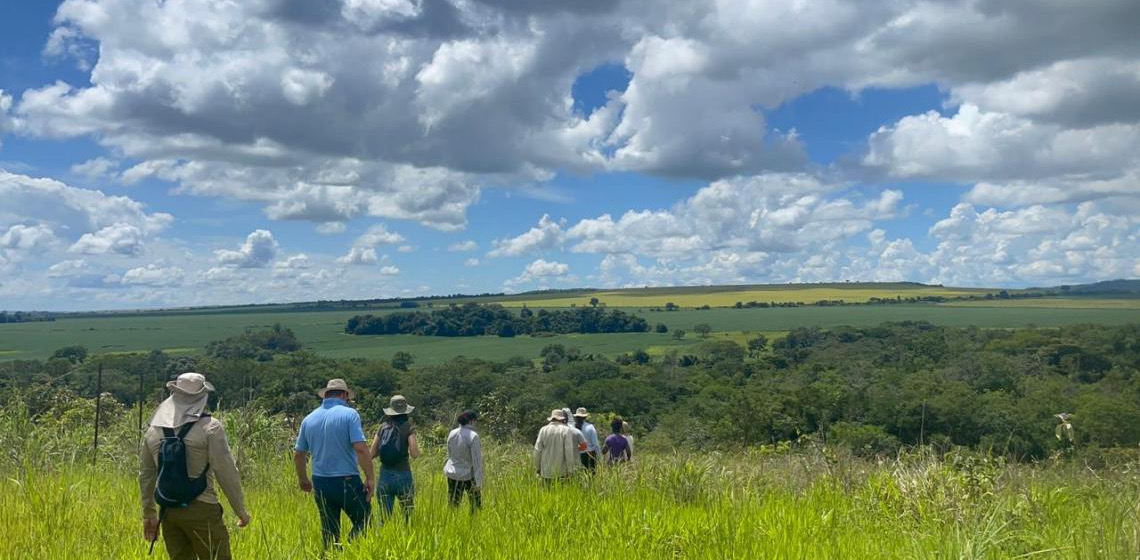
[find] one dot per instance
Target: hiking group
(185, 453)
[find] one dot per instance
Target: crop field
(1053, 303)
(727, 296)
(323, 332)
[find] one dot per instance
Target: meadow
(323, 331)
(763, 503)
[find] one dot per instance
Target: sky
(159, 153)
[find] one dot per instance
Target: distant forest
(476, 320)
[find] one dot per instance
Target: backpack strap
(167, 432)
(185, 429)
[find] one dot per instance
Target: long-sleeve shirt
(591, 436)
(205, 444)
(555, 452)
(464, 456)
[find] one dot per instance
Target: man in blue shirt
(593, 447)
(333, 436)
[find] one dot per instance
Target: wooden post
(98, 413)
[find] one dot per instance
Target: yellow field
(723, 298)
(1052, 303)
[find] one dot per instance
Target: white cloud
(463, 246)
(300, 261)
(21, 236)
(389, 270)
(5, 119)
(122, 239)
(378, 235)
(154, 275)
(331, 228)
(547, 235)
(542, 269)
(68, 268)
(95, 168)
(258, 251)
(359, 256)
(471, 262)
(406, 248)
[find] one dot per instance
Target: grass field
(727, 296)
(323, 332)
(665, 506)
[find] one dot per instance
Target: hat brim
(172, 386)
(392, 411)
(351, 393)
(581, 416)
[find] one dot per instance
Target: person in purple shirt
(616, 447)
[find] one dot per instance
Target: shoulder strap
(188, 426)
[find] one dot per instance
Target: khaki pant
(196, 532)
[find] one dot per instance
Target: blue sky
(200, 152)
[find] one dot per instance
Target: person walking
(555, 451)
(191, 447)
(589, 457)
(616, 448)
(464, 466)
(333, 437)
(579, 439)
(395, 444)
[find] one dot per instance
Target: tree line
(872, 389)
(473, 319)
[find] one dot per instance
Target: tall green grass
(767, 503)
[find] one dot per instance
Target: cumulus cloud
(95, 168)
(258, 251)
(359, 256)
(122, 239)
(154, 275)
(21, 236)
(389, 270)
(5, 119)
(463, 246)
(547, 234)
(471, 262)
(378, 235)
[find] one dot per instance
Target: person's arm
(538, 446)
(225, 470)
(301, 463)
(148, 475)
(413, 446)
(477, 461)
(375, 448)
(364, 458)
(301, 460)
(606, 446)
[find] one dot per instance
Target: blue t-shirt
(591, 438)
(327, 434)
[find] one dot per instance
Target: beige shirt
(205, 443)
(555, 451)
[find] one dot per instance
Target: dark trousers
(456, 489)
(340, 493)
(195, 532)
(589, 461)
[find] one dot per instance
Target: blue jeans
(340, 493)
(396, 485)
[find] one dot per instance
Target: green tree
(678, 334)
(74, 354)
(703, 329)
(757, 345)
(661, 328)
(403, 360)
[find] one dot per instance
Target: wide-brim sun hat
(189, 394)
(398, 405)
(581, 413)
(557, 414)
(337, 385)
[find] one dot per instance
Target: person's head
(580, 416)
(336, 389)
(467, 418)
(616, 425)
(625, 427)
(558, 415)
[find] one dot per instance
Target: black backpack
(175, 488)
(393, 446)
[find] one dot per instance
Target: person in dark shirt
(395, 444)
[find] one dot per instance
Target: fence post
(98, 413)
(141, 370)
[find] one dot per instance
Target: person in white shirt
(464, 466)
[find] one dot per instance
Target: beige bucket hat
(557, 414)
(581, 413)
(189, 394)
(398, 405)
(337, 385)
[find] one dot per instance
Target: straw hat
(398, 405)
(581, 413)
(337, 385)
(189, 394)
